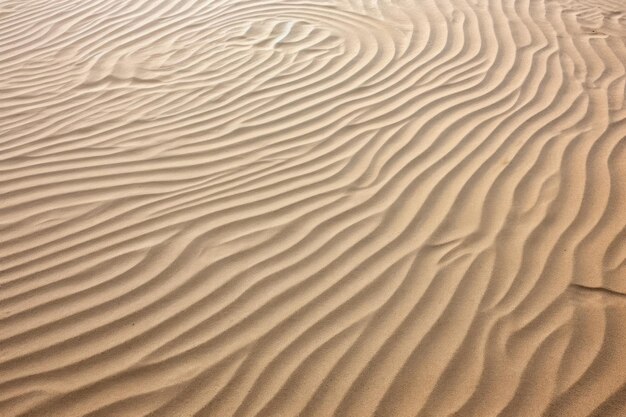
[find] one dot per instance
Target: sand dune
(313, 208)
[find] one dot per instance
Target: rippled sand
(312, 208)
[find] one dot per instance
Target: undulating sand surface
(342, 208)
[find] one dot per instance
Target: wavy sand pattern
(313, 208)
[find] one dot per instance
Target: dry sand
(312, 208)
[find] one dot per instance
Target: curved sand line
(294, 208)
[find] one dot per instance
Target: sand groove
(313, 208)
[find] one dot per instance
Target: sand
(284, 208)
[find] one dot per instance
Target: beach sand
(283, 208)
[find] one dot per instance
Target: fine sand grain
(283, 208)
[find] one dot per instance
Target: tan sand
(284, 208)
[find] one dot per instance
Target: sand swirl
(313, 208)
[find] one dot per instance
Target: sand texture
(281, 208)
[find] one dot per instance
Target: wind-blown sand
(312, 208)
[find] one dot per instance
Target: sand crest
(342, 208)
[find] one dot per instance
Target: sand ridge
(313, 208)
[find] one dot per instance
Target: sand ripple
(313, 208)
